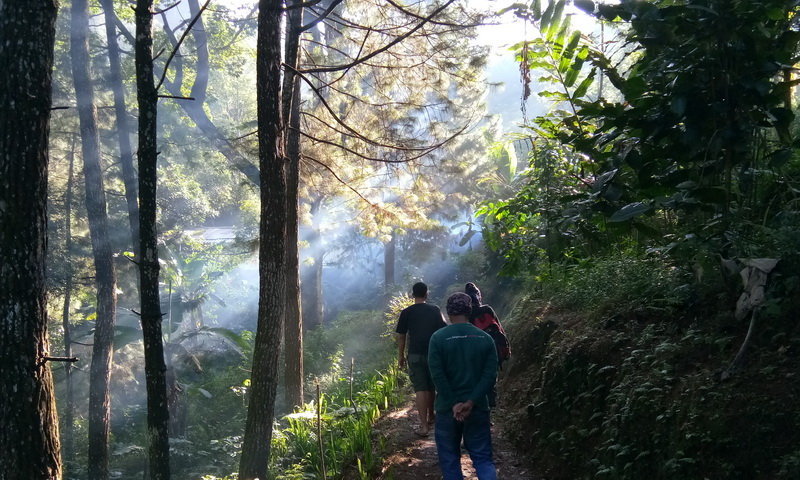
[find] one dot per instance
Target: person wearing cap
(414, 328)
(463, 364)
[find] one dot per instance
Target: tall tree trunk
(123, 127)
(28, 421)
(389, 253)
(293, 327)
(69, 403)
(312, 292)
(155, 369)
(105, 275)
(272, 246)
(319, 291)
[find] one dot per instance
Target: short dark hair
(419, 290)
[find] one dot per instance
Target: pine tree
(28, 421)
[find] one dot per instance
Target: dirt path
(410, 457)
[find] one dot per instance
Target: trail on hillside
(409, 457)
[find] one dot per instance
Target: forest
(212, 213)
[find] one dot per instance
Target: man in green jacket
(463, 364)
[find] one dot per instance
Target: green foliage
(697, 147)
(396, 305)
(558, 52)
(347, 436)
(635, 197)
(360, 335)
(623, 284)
(471, 265)
(630, 402)
(212, 444)
(532, 226)
(349, 405)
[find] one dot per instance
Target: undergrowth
(353, 366)
(616, 375)
(624, 283)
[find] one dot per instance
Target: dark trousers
(477, 436)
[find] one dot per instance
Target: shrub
(624, 284)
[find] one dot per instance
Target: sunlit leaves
(701, 127)
(559, 54)
(580, 92)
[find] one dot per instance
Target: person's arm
(401, 349)
(402, 331)
(436, 367)
(496, 318)
(488, 372)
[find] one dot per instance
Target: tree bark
(155, 369)
(105, 275)
(312, 291)
(272, 246)
(319, 290)
(123, 127)
(28, 421)
(69, 403)
(389, 253)
(290, 104)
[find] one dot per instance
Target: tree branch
(121, 28)
(60, 359)
(422, 153)
(158, 12)
(373, 143)
(301, 5)
(335, 68)
(321, 17)
(178, 46)
(420, 17)
(176, 97)
(329, 169)
(340, 121)
(170, 34)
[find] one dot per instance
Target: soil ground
(409, 457)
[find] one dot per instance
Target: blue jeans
(475, 431)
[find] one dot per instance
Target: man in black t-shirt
(414, 328)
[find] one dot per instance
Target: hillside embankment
(628, 398)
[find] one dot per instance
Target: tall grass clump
(623, 283)
(353, 363)
(346, 429)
